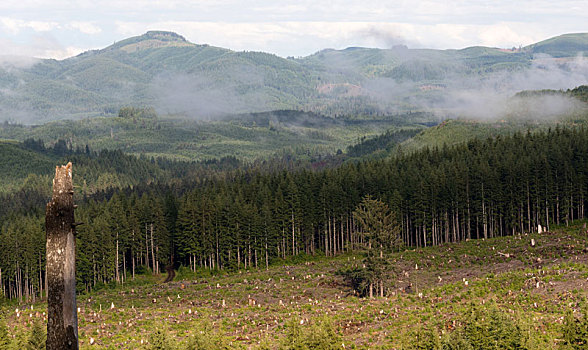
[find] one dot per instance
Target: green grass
(534, 288)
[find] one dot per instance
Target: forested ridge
(251, 218)
(150, 68)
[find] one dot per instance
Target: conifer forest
(240, 218)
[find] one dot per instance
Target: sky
(63, 28)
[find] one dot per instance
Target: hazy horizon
(55, 29)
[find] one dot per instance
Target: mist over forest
(164, 71)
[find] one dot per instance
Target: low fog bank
(490, 96)
(203, 97)
(10, 63)
(395, 82)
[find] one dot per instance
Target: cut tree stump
(171, 273)
(62, 324)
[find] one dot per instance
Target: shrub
(358, 278)
(160, 341)
(320, 335)
(482, 328)
(489, 328)
(424, 339)
(4, 339)
(207, 339)
(456, 341)
(575, 332)
(37, 337)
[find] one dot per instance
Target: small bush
(456, 341)
(489, 328)
(575, 332)
(484, 328)
(358, 278)
(4, 339)
(143, 270)
(37, 337)
(160, 341)
(207, 339)
(424, 339)
(320, 335)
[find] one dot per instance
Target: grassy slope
(535, 286)
(562, 45)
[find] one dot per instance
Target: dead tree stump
(62, 325)
(171, 273)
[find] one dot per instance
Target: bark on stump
(171, 273)
(62, 325)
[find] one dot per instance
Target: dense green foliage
(321, 335)
(37, 338)
(101, 171)
(33, 339)
(249, 218)
(485, 328)
(381, 233)
(575, 331)
(4, 340)
(383, 143)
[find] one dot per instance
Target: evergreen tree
(4, 337)
(37, 337)
(378, 224)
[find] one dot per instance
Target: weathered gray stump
(62, 326)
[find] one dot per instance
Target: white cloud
(504, 34)
(10, 61)
(39, 47)
(85, 27)
(16, 25)
(61, 53)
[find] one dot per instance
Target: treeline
(384, 142)
(580, 93)
(249, 218)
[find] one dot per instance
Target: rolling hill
(561, 46)
(164, 70)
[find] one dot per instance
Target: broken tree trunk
(62, 325)
(171, 273)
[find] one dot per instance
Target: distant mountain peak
(150, 40)
(164, 36)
